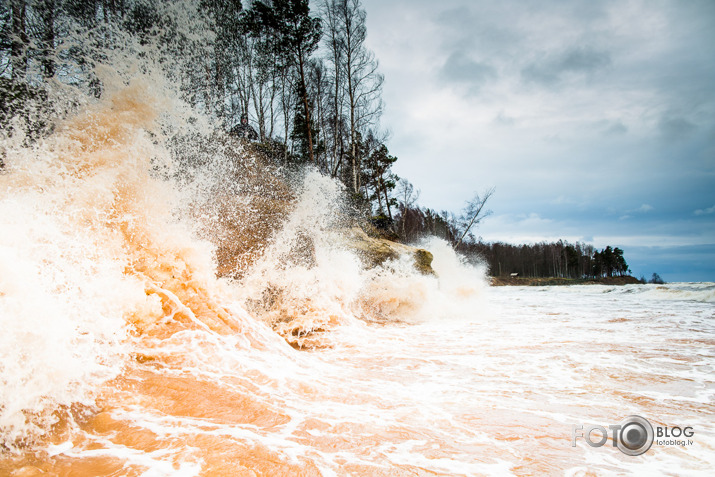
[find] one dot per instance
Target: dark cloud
(553, 69)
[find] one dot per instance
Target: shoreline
(556, 281)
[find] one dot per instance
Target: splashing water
(103, 270)
(65, 295)
(123, 354)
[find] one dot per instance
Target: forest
(301, 72)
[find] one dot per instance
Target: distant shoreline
(549, 281)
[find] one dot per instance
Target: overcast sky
(594, 120)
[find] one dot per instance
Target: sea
(124, 352)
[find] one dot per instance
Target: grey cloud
(459, 17)
(554, 68)
(462, 27)
(584, 60)
(504, 120)
(615, 128)
(460, 68)
(674, 128)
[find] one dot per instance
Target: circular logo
(635, 436)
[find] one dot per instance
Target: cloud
(644, 208)
(674, 128)
(555, 68)
(461, 68)
(463, 27)
(708, 211)
(615, 128)
(503, 119)
(459, 20)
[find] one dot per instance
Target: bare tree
(408, 197)
(407, 193)
(333, 40)
(319, 84)
(264, 91)
(361, 82)
(474, 213)
(254, 80)
(287, 100)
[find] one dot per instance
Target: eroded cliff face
(301, 264)
(252, 202)
(242, 199)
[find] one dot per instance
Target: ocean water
(122, 353)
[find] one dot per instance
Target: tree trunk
(336, 118)
(353, 132)
(48, 38)
(18, 52)
(387, 199)
(306, 105)
(353, 145)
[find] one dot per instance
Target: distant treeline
(556, 259)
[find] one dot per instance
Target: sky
(593, 120)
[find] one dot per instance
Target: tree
(48, 12)
(557, 259)
(305, 133)
(225, 19)
(5, 37)
(380, 179)
(474, 213)
(296, 34)
(356, 68)
(85, 12)
(620, 267)
(407, 196)
(333, 42)
(19, 42)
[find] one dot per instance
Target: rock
(375, 251)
